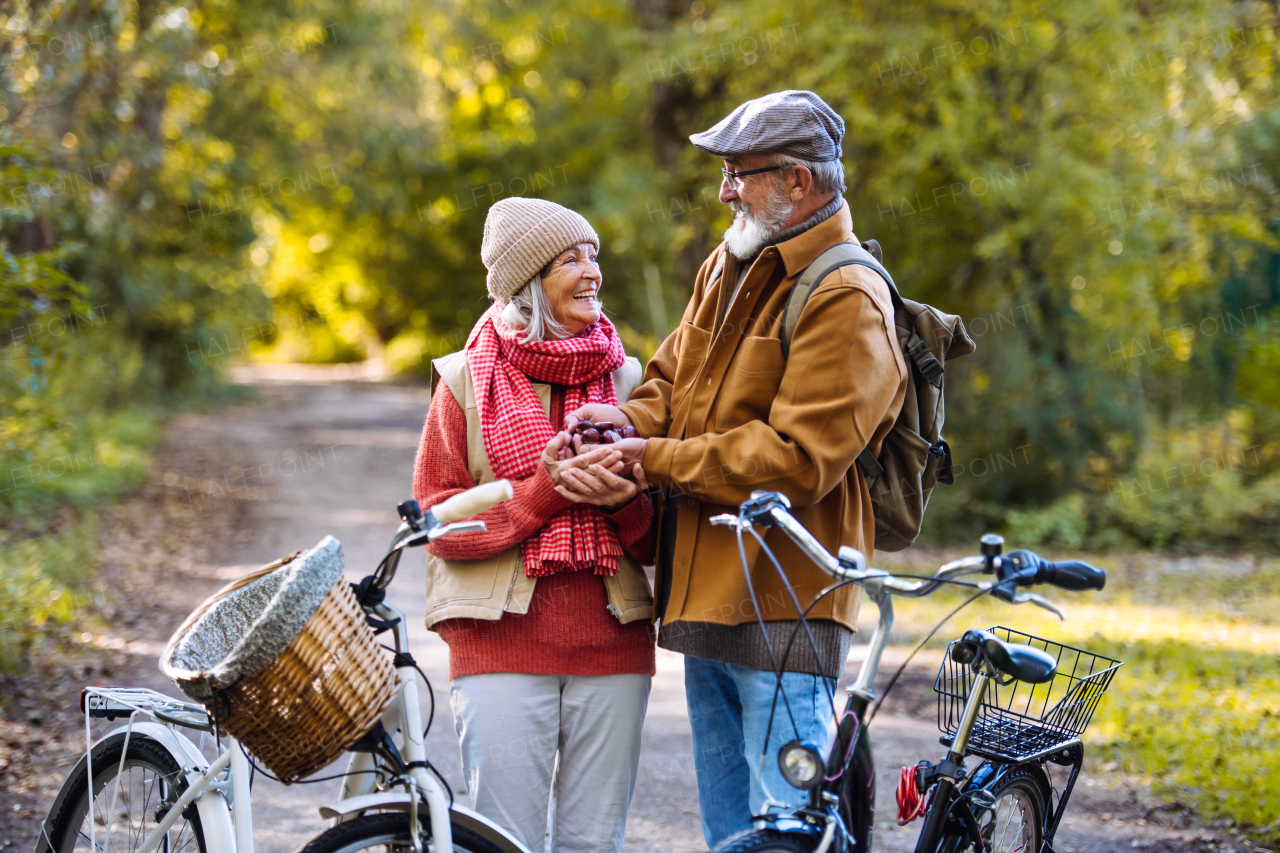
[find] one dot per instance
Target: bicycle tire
(389, 830)
(766, 841)
(1021, 786)
(63, 826)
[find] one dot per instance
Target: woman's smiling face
(572, 287)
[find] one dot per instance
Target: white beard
(751, 230)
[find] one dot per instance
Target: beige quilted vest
(485, 589)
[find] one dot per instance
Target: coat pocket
(695, 344)
(751, 383)
(475, 589)
(630, 597)
(461, 582)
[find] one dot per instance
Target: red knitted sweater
(568, 629)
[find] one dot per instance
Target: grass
(1195, 710)
(42, 585)
(76, 430)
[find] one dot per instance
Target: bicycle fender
(486, 829)
(212, 806)
(988, 774)
(182, 749)
(786, 824)
(215, 813)
(860, 793)
(398, 801)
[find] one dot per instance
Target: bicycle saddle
(1022, 662)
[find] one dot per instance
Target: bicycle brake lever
(457, 527)
(431, 534)
(729, 520)
(1039, 601)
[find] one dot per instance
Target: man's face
(751, 190)
(761, 204)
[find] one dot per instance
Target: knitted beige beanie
(523, 235)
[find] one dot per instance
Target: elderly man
(723, 411)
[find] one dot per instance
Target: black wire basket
(1018, 721)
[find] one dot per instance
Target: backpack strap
(839, 255)
(843, 255)
(846, 254)
(870, 465)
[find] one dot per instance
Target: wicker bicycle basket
(284, 662)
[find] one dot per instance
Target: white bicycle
(153, 789)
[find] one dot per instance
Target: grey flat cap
(794, 122)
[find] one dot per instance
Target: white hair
(529, 309)
(828, 175)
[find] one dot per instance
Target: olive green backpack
(914, 455)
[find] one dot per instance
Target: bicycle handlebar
(1076, 575)
(419, 528)
(472, 502)
(1026, 568)
(1022, 568)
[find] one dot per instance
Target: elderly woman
(546, 613)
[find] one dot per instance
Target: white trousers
(513, 728)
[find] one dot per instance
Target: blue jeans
(729, 711)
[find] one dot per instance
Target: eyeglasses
(735, 178)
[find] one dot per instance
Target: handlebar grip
(472, 501)
(1074, 575)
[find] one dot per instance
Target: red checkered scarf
(516, 428)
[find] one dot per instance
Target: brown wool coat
(726, 414)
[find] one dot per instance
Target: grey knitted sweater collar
(821, 215)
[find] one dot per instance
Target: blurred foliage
(42, 587)
(1092, 188)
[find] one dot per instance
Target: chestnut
(583, 426)
(603, 426)
(630, 432)
(591, 436)
(610, 436)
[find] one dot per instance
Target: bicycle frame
(845, 798)
(358, 790)
(226, 779)
(848, 784)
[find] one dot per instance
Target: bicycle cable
(431, 715)
(253, 765)
(832, 588)
(804, 623)
(746, 571)
(778, 671)
(892, 681)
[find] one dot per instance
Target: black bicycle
(1014, 701)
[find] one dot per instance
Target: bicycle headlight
(801, 765)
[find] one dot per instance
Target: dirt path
(312, 456)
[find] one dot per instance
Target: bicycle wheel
(389, 831)
(150, 783)
(1015, 824)
(766, 841)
